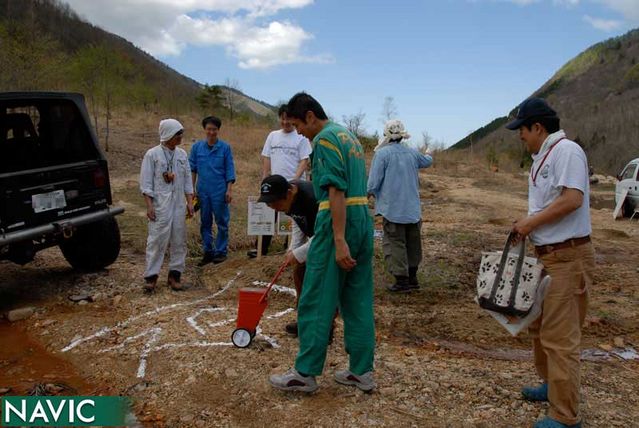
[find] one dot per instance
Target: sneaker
(364, 382)
(208, 258)
(251, 254)
(548, 422)
(535, 393)
(219, 259)
(293, 381)
(291, 329)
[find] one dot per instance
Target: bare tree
(427, 140)
(232, 96)
(355, 123)
(389, 109)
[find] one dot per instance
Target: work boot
(150, 283)
(401, 285)
(548, 422)
(292, 380)
(208, 258)
(219, 259)
(412, 278)
(364, 382)
(174, 280)
(535, 393)
(291, 329)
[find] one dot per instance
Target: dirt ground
(440, 361)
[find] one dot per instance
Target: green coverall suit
(338, 161)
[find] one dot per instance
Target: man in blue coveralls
(213, 176)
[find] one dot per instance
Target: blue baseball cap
(531, 108)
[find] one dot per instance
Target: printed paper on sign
(261, 218)
(284, 224)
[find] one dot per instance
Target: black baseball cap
(531, 108)
(273, 188)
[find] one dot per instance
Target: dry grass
(132, 134)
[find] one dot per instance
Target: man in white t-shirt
(558, 224)
(285, 153)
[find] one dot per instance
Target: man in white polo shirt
(285, 153)
(558, 224)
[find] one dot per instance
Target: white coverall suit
(169, 203)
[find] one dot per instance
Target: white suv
(629, 179)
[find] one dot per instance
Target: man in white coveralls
(165, 182)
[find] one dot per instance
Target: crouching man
(297, 199)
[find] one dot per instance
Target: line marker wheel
(241, 337)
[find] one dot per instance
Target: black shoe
(401, 285)
(291, 329)
(208, 258)
(150, 282)
(219, 259)
(251, 254)
(412, 278)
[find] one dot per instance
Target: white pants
(168, 230)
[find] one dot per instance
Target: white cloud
(628, 8)
(603, 24)
(245, 28)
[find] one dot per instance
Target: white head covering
(168, 129)
(393, 130)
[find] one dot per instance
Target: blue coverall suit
(214, 168)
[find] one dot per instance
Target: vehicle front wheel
(93, 246)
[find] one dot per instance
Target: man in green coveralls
(339, 270)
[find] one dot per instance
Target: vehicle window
(42, 134)
(629, 172)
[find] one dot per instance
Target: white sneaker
(293, 381)
(364, 382)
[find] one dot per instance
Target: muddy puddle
(26, 367)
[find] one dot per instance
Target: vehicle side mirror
(618, 177)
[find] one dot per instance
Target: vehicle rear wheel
(93, 246)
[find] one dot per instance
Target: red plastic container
(251, 305)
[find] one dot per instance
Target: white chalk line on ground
(279, 288)
(196, 327)
(103, 331)
(154, 334)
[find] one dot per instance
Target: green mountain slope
(597, 97)
(46, 46)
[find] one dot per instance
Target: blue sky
(451, 66)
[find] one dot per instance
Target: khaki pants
(402, 246)
(557, 332)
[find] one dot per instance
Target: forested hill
(597, 96)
